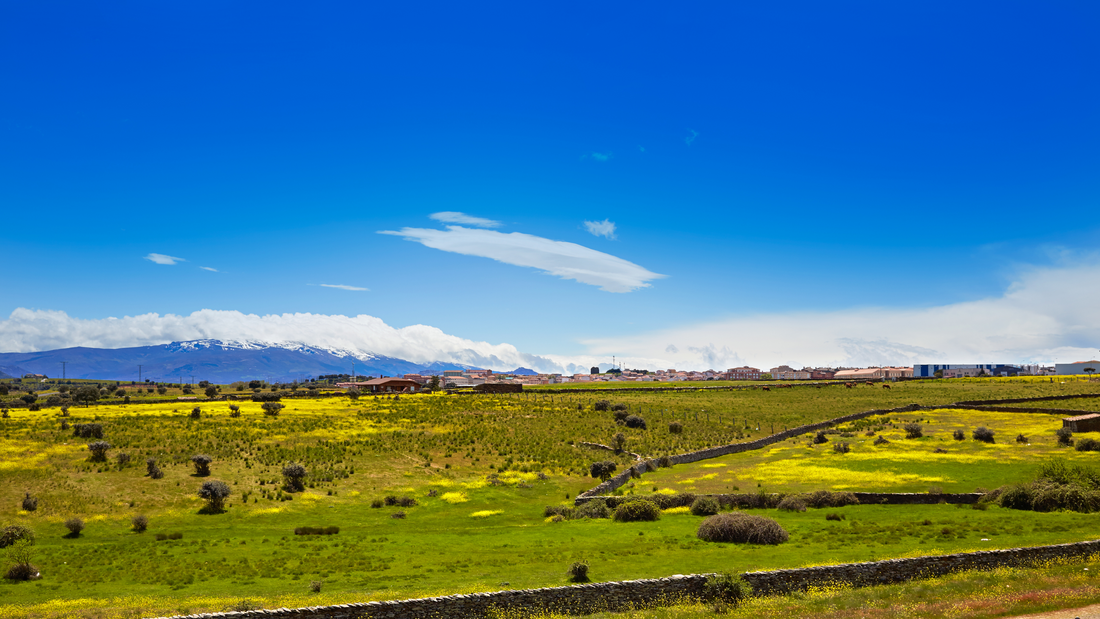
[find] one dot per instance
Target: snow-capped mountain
(219, 361)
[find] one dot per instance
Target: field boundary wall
(632, 594)
(864, 498)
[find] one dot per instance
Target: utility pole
(63, 369)
(139, 373)
(353, 371)
(192, 381)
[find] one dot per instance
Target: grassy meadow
(481, 469)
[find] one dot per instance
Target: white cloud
(211, 269)
(34, 330)
(163, 259)
(691, 138)
(601, 228)
(566, 260)
(601, 157)
(1046, 315)
(454, 217)
(343, 287)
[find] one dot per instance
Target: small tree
(20, 556)
(75, 526)
(1065, 437)
(234, 410)
(202, 464)
(618, 442)
(140, 523)
(86, 394)
(211, 391)
(820, 438)
(602, 470)
(99, 450)
(913, 430)
(162, 390)
(433, 384)
(578, 572)
(272, 409)
(152, 470)
(983, 434)
(295, 475)
(214, 493)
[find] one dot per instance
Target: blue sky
(766, 161)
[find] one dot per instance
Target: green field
(481, 469)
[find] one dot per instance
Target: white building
(1077, 368)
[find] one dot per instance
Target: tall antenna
(353, 371)
(63, 369)
(139, 373)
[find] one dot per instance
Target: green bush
(75, 526)
(271, 409)
(316, 530)
(834, 516)
(558, 510)
(602, 470)
(578, 572)
(959, 435)
(728, 588)
(1065, 437)
(202, 464)
(99, 450)
(820, 438)
(740, 528)
(601, 405)
(14, 533)
(637, 510)
(705, 506)
(295, 475)
(1087, 444)
(841, 448)
(30, 503)
(634, 421)
(983, 434)
(214, 493)
(823, 498)
(88, 430)
(913, 430)
(596, 508)
(139, 523)
(675, 427)
(792, 504)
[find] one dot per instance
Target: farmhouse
(383, 385)
(1082, 423)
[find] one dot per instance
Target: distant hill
(522, 372)
(214, 360)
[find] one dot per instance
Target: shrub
(939, 450)
(211, 391)
(30, 503)
(398, 515)
(1065, 437)
(634, 421)
(316, 530)
(1087, 444)
(295, 476)
(578, 572)
(675, 427)
(705, 506)
(406, 501)
(20, 556)
(834, 516)
(983, 434)
(271, 409)
(637, 510)
(664, 462)
(618, 442)
(151, 468)
(99, 450)
(596, 508)
(215, 493)
(823, 498)
(202, 464)
(728, 588)
(792, 504)
(140, 523)
(376, 503)
(913, 430)
(618, 406)
(881, 440)
(14, 533)
(601, 405)
(75, 526)
(737, 527)
(315, 585)
(88, 430)
(1020, 438)
(196, 413)
(390, 500)
(162, 390)
(620, 414)
(602, 470)
(122, 458)
(558, 510)
(820, 438)
(959, 435)
(265, 397)
(841, 448)
(234, 410)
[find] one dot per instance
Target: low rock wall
(630, 594)
(865, 498)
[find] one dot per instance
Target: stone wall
(610, 596)
(865, 498)
(1048, 398)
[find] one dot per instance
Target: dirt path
(1088, 612)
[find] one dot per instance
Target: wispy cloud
(560, 258)
(601, 157)
(344, 287)
(691, 138)
(163, 259)
(454, 217)
(211, 269)
(601, 228)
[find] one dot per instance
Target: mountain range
(217, 361)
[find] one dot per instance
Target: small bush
(602, 470)
(664, 462)
(1020, 438)
(737, 527)
(315, 586)
(122, 458)
(675, 427)
(618, 406)
(792, 504)
(266, 397)
(295, 476)
(390, 500)
(1065, 437)
(196, 413)
(637, 510)
(959, 435)
(377, 503)
(823, 498)
(167, 536)
(705, 506)
(1087, 444)
(234, 410)
(620, 415)
(151, 468)
(139, 523)
(578, 572)
(398, 515)
(202, 464)
(983, 434)
(601, 405)
(596, 508)
(99, 450)
(406, 501)
(88, 430)
(618, 442)
(728, 588)
(20, 555)
(215, 493)
(834, 516)
(75, 526)
(939, 450)
(841, 448)
(913, 430)
(316, 530)
(272, 409)
(30, 503)
(14, 533)
(558, 510)
(634, 421)
(820, 438)
(881, 440)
